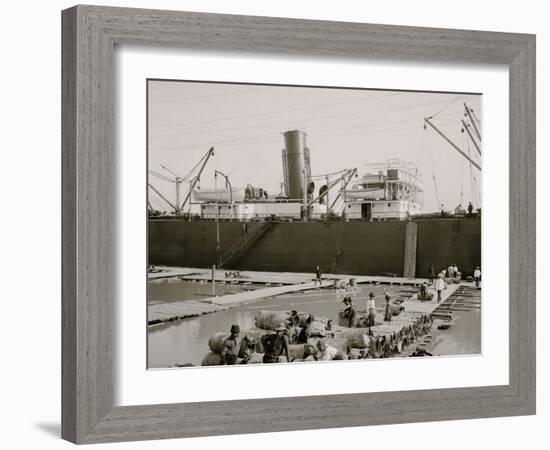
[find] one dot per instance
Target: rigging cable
(435, 181)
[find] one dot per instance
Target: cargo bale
(212, 359)
(216, 341)
(305, 319)
(257, 334)
(269, 320)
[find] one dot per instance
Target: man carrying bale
(230, 348)
(275, 344)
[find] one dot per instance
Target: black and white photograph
(306, 224)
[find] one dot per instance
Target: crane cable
(435, 181)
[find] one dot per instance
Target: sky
(346, 128)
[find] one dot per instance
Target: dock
(285, 278)
(168, 312)
(274, 284)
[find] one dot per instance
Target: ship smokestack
(296, 164)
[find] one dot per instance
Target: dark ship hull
(401, 248)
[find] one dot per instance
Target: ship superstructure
(387, 191)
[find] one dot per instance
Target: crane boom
(332, 184)
(161, 176)
(467, 128)
(162, 196)
(456, 147)
(344, 186)
(209, 153)
(478, 134)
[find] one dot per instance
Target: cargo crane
(451, 143)
(179, 206)
(344, 178)
(466, 127)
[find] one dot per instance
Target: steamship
(368, 223)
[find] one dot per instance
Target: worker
(388, 310)
(302, 335)
(246, 348)
(275, 344)
(455, 270)
(477, 276)
(458, 210)
(424, 292)
(294, 318)
(230, 348)
(450, 271)
(470, 208)
(442, 210)
(318, 275)
(349, 312)
(431, 273)
(439, 286)
(371, 310)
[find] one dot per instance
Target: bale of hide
(318, 328)
(396, 309)
(257, 334)
(216, 341)
(301, 351)
(269, 320)
(305, 319)
(344, 321)
(212, 359)
(339, 344)
(355, 337)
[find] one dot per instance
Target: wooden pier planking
(279, 283)
(167, 312)
(190, 273)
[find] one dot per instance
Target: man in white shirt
(477, 276)
(439, 286)
(455, 270)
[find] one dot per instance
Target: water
(186, 341)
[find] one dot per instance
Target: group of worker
(350, 313)
(274, 344)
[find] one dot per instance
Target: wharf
(275, 283)
(283, 278)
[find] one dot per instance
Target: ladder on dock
(239, 248)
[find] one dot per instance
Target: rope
(435, 182)
(445, 107)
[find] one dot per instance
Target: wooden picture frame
(90, 34)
